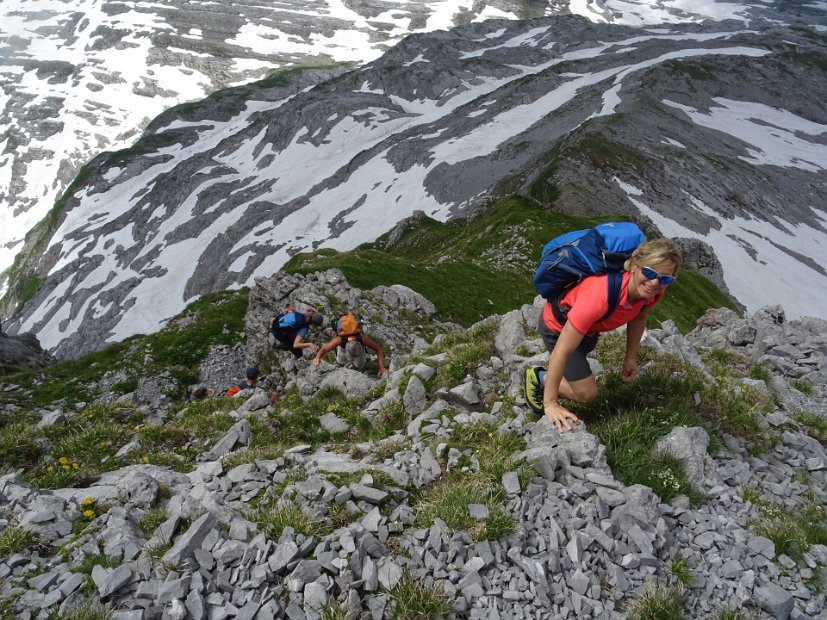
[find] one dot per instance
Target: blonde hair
(654, 252)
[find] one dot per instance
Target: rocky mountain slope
(690, 127)
(81, 77)
(434, 489)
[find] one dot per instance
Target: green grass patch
(87, 611)
(695, 69)
(157, 552)
(740, 410)
(7, 609)
(251, 455)
(465, 351)
(498, 525)
(793, 532)
(91, 561)
(388, 448)
(14, 539)
(723, 361)
(336, 611)
(760, 372)
(88, 445)
(200, 424)
(448, 498)
(629, 418)
(659, 603)
(815, 425)
(77, 452)
(272, 518)
(680, 569)
(630, 438)
(668, 384)
(19, 445)
(414, 599)
(390, 419)
(151, 519)
(343, 479)
(805, 387)
(297, 420)
(215, 318)
(602, 153)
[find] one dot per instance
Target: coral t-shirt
(589, 301)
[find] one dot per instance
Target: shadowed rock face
(19, 352)
(613, 119)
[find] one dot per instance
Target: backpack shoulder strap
(614, 282)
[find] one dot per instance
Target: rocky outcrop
(20, 352)
(396, 316)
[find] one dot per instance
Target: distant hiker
(290, 329)
(250, 381)
(350, 343)
(250, 378)
(570, 329)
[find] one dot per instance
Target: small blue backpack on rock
(574, 255)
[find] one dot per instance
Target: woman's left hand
(630, 370)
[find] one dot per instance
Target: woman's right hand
(560, 416)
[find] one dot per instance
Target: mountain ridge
(80, 77)
(303, 181)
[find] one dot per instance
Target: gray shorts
(352, 352)
(577, 366)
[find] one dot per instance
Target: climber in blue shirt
(290, 330)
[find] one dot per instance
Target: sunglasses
(651, 274)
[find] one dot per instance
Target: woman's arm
(568, 341)
(634, 334)
(301, 343)
(380, 356)
(332, 344)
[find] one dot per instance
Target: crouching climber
(351, 343)
(290, 330)
(570, 329)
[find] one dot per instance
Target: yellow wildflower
(67, 467)
(89, 514)
(50, 468)
(75, 465)
(63, 460)
(87, 501)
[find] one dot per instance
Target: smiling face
(642, 288)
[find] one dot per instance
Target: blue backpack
(283, 325)
(572, 256)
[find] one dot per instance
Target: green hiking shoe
(533, 390)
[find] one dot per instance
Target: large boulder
(19, 352)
